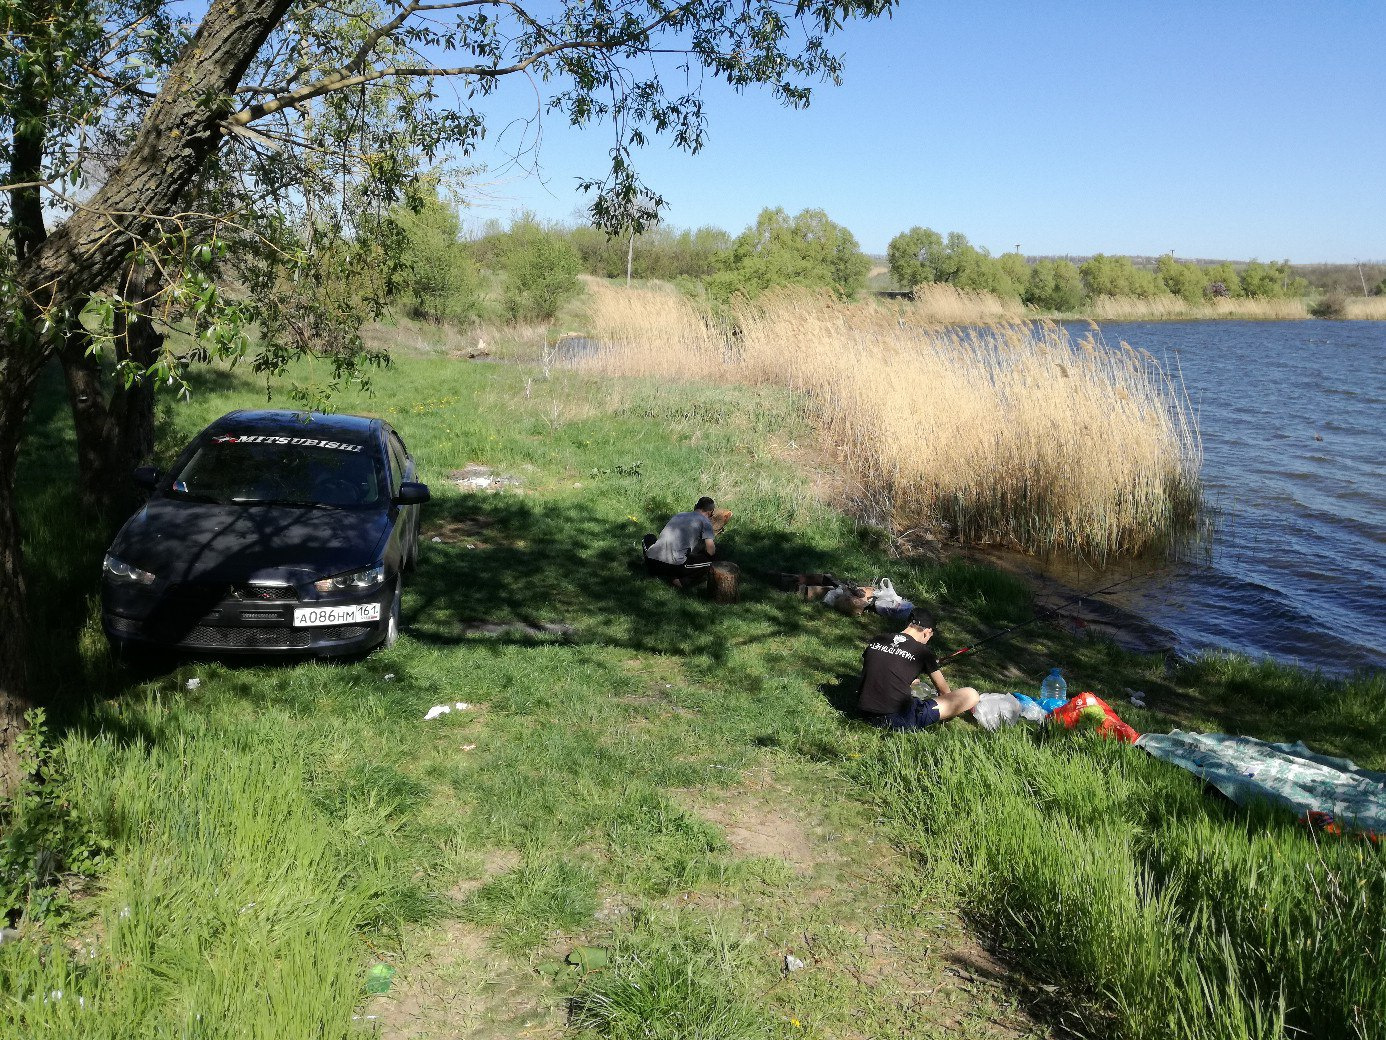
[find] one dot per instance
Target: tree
(908, 255)
(807, 249)
(1223, 280)
(1054, 285)
(1116, 276)
(1188, 281)
(136, 142)
(539, 269)
(441, 281)
(1271, 281)
(921, 255)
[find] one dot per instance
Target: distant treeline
(526, 270)
(922, 256)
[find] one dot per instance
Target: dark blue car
(274, 532)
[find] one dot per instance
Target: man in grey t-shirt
(684, 550)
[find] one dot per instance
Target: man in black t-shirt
(889, 668)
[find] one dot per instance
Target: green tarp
(1291, 775)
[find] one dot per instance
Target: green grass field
(672, 783)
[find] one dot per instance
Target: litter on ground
(445, 709)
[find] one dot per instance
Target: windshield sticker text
(306, 442)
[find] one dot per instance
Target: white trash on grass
(995, 710)
(444, 709)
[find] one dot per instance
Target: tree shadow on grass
(563, 570)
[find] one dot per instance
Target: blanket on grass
(1330, 793)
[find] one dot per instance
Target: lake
(1293, 421)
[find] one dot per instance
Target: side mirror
(412, 494)
(145, 477)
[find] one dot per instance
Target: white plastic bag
(995, 710)
(886, 596)
(833, 595)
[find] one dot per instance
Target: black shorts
(917, 714)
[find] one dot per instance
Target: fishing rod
(1042, 614)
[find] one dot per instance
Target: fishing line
(1039, 616)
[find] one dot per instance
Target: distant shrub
(539, 270)
(441, 281)
(1331, 305)
(1117, 276)
(921, 256)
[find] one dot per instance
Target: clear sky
(1214, 129)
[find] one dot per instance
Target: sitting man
(892, 664)
(684, 550)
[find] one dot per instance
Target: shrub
(806, 250)
(1331, 305)
(441, 281)
(539, 270)
(44, 835)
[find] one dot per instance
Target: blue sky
(1214, 129)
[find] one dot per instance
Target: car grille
(264, 593)
(262, 637)
(207, 594)
(245, 637)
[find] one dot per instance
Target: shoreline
(1090, 616)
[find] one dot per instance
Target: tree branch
(345, 78)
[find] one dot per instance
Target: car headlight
(119, 570)
(366, 579)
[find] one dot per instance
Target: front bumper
(220, 620)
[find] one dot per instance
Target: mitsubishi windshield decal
(305, 442)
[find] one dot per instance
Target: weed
(46, 834)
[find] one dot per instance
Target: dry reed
(1173, 308)
(1366, 308)
(946, 304)
(1015, 435)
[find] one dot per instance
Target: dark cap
(921, 618)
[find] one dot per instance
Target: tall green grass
(238, 887)
(1158, 911)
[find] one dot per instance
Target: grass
(1017, 435)
(669, 780)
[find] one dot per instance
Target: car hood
(193, 541)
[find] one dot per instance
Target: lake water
(1293, 420)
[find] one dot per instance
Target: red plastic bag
(1089, 706)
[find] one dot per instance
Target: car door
(402, 469)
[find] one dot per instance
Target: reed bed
(1017, 435)
(1173, 308)
(1366, 308)
(949, 305)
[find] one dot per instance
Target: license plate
(354, 614)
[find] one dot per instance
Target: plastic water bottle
(1054, 686)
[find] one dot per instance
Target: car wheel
(392, 623)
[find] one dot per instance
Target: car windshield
(298, 471)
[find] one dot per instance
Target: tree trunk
(91, 420)
(16, 394)
(132, 407)
(139, 202)
(115, 424)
